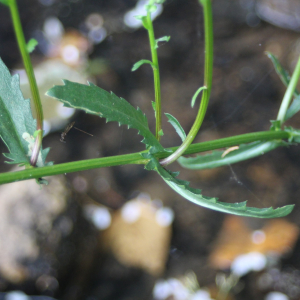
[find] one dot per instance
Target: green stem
(32, 81)
(136, 158)
(207, 11)
(289, 93)
(155, 75)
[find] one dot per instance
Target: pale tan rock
(137, 239)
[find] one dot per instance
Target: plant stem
(155, 75)
(289, 93)
(30, 74)
(208, 27)
(136, 158)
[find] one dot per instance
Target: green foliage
(142, 62)
(17, 126)
(162, 39)
(178, 128)
(285, 78)
(194, 195)
(5, 2)
(32, 43)
(97, 101)
(196, 95)
(218, 159)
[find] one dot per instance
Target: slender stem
(136, 158)
(32, 81)
(155, 75)
(207, 11)
(289, 93)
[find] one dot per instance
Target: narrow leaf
(196, 95)
(17, 125)
(215, 159)
(162, 39)
(194, 195)
(143, 20)
(153, 105)
(32, 43)
(282, 73)
(174, 122)
(294, 108)
(285, 78)
(5, 2)
(97, 101)
(142, 62)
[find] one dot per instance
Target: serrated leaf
(162, 39)
(96, 101)
(32, 43)
(5, 2)
(285, 78)
(196, 95)
(194, 195)
(17, 125)
(142, 62)
(175, 123)
(215, 159)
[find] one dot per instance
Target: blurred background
(120, 232)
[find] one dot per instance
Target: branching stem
(136, 158)
(32, 81)
(208, 27)
(155, 75)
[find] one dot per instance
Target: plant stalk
(136, 158)
(208, 28)
(32, 81)
(155, 75)
(289, 94)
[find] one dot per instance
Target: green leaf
(275, 125)
(294, 108)
(32, 43)
(17, 125)
(285, 78)
(294, 134)
(150, 8)
(174, 122)
(217, 158)
(196, 95)
(283, 74)
(97, 101)
(161, 133)
(5, 2)
(162, 39)
(153, 105)
(144, 21)
(142, 62)
(194, 195)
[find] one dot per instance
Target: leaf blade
(178, 128)
(106, 105)
(15, 119)
(142, 62)
(32, 43)
(194, 195)
(215, 159)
